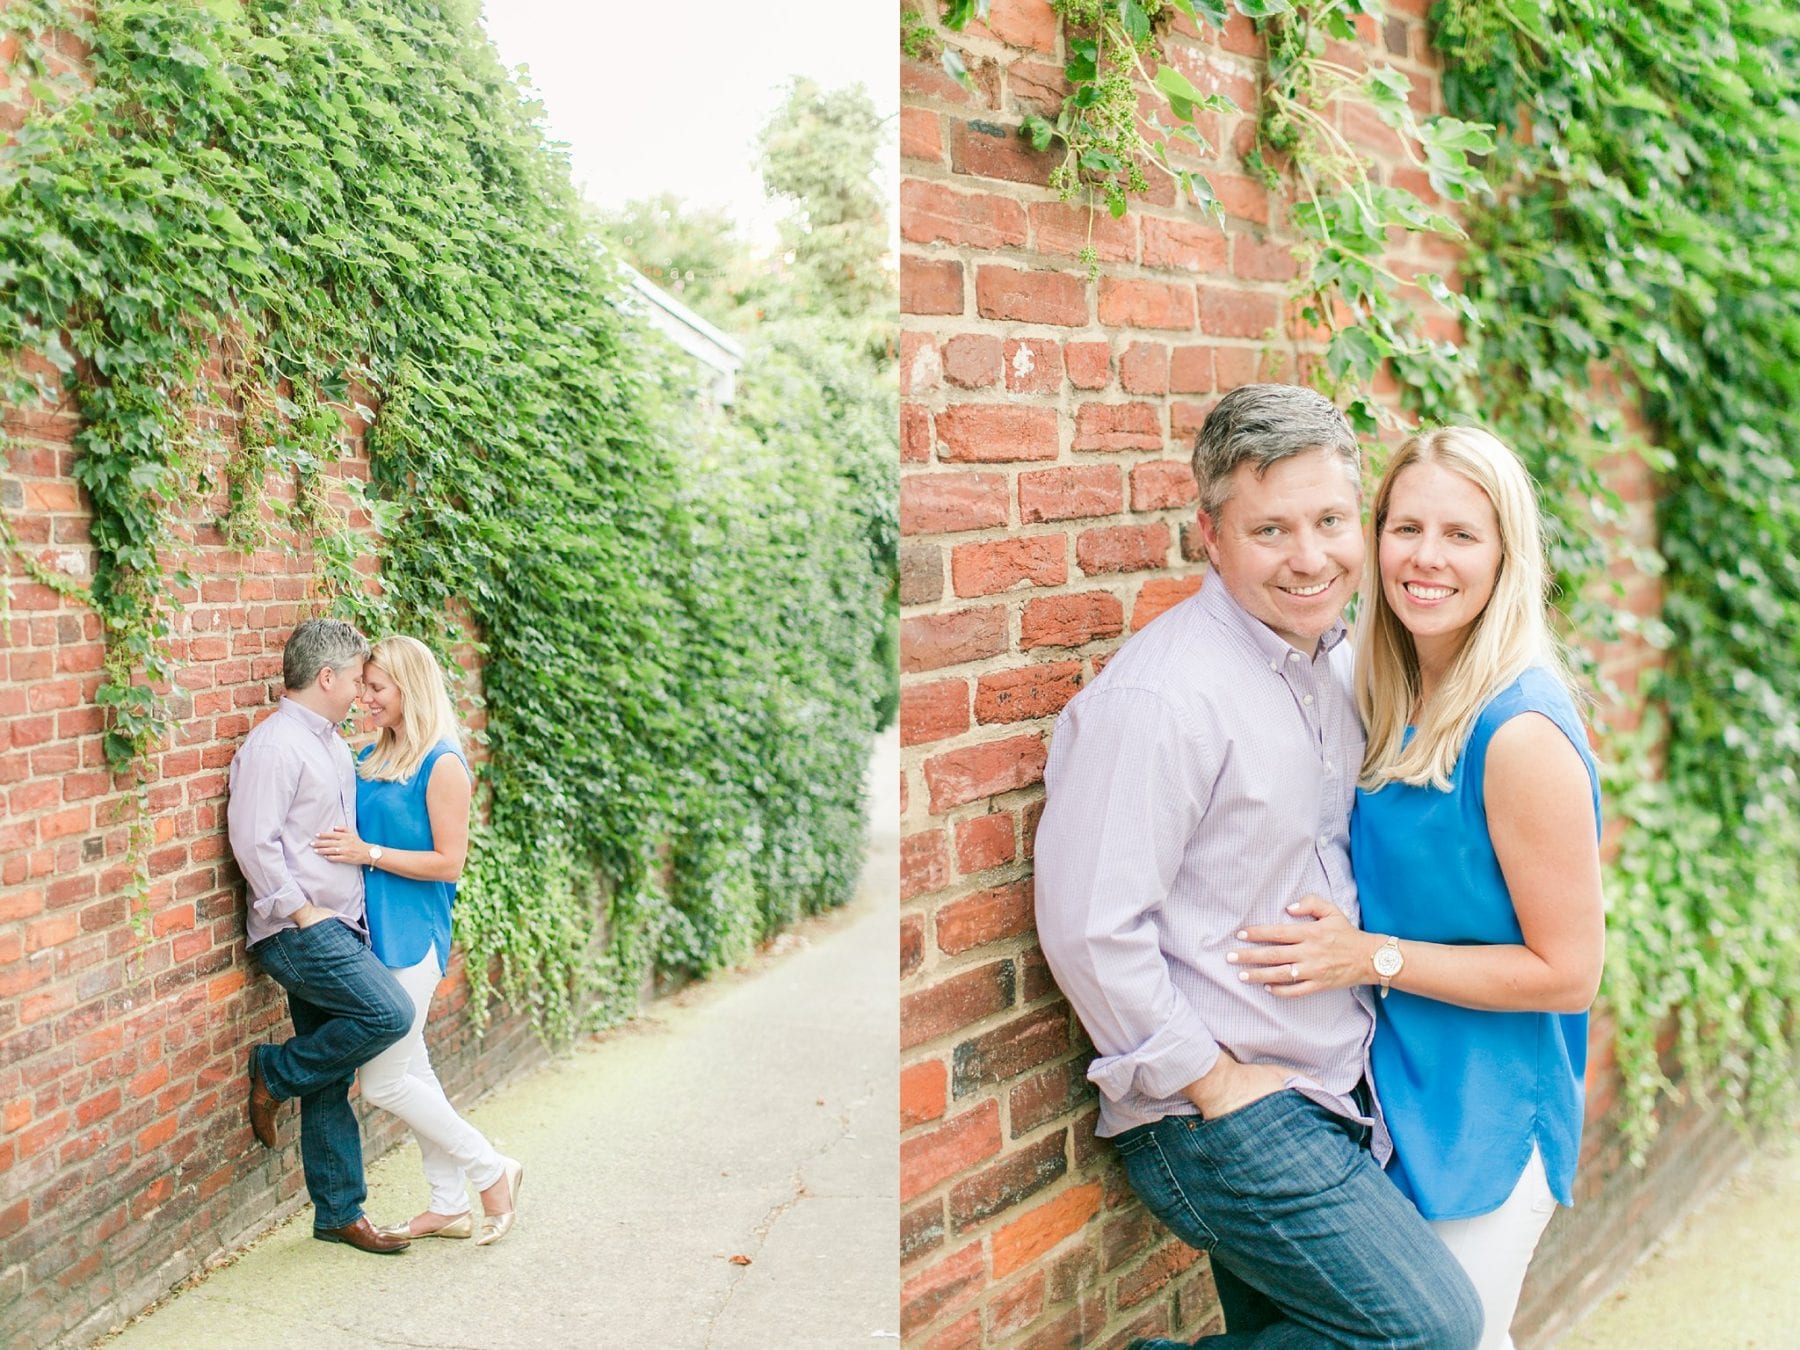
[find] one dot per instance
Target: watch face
(1388, 962)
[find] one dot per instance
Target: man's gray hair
(318, 643)
(1262, 424)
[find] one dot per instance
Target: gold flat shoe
(462, 1226)
(496, 1226)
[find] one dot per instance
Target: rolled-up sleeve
(1126, 786)
(262, 782)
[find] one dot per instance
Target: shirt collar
(312, 721)
(1264, 640)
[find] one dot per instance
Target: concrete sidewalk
(754, 1116)
(1724, 1278)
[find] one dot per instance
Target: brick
(1022, 1241)
(1186, 418)
(1079, 493)
(932, 712)
(984, 149)
(1153, 1276)
(920, 137)
(1045, 1095)
(928, 1160)
(1009, 1050)
(1037, 86)
(1010, 1181)
(1089, 364)
(922, 1230)
(972, 360)
(930, 287)
(1122, 548)
(921, 573)
(1058, 298)
(1191, 370)
(941, 1289)
(912, 943)
(924, 1092)
(947, 503)
(1263, 260)
(965, 775)
(934, 641)
(1163, 485)
(1117, 426)
(1065, 228)
(993, 915)
(1070, 620)
(1033, 365)
(955, 1002)
(1160, 595)
(924, 863)
(1129, 303)
(1016, 1307)
(986, 841)
(990, 568)
(996, 433)
(921, 364)
(1144, 368)
(931, 213)
(1244, 198)
(915, 434)
(1241, 314)
(1029, 24)
(1027, 692)
(1185, 246)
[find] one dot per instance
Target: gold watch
(1388, 962)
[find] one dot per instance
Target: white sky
(669, 97)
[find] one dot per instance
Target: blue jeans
(347, 1008)
(1311, 1244)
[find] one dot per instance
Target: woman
(412, 837)
(1475, 842)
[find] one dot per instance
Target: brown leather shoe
(263, 1104)
(363, 1236)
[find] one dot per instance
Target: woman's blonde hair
(426, 713)
(1511, 633)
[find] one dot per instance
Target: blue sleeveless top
(407, 917)
(1466, 1093)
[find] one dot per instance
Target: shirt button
(1293, 656)
(1274, 665)
(1324, 841)
(1307, 699)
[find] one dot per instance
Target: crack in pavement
(769, 1220)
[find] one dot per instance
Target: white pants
(400, 1080)
(1495, 1248)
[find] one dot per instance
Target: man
(1201, 784)
(291, 780)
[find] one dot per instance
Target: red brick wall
(125, 1158)
(1046, 508)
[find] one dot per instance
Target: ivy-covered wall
(300, 315)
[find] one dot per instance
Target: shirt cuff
(280, 904)
(1159, 1068)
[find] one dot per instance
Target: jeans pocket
(1280, 1147)
(1157, 1182)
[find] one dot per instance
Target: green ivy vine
(296, 212)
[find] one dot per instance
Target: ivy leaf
(956, 68)
(1262, 9)
(1356, 353)
(1135, 21)
(1038, 131)
(1213, 11)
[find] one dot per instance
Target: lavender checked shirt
(290, 780)
(1199, 785)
